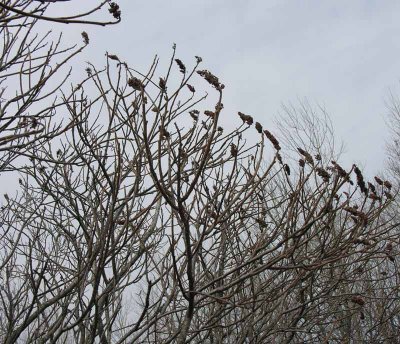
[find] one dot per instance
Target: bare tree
(144, 220)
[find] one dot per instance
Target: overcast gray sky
(343, 55)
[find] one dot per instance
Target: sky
(340, 55)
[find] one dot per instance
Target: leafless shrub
(147, 222)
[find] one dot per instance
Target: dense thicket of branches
(143, 220)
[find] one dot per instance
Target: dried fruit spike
(85, 37)
(306, 155)
(162, 84)
(211, 79)
(191, 88)
(234, 150)
(136, 84)
(273, 140)
(181, 66)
